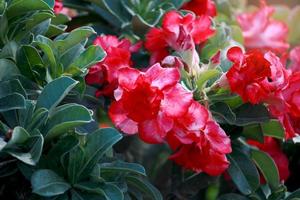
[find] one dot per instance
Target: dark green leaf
(251, 114)
(19, 7)
(7, 69)
(12, 102)
(89, 57)
(28, 59)
(273, 128)
(11, 87)
(54, 92)
(294, 195)
(144, 186)
(73, 38)
(253, 132)
(232, 196)
(97, 144)
(47, 183)
(66, 117)
(243, 172)
(223, 113)
(267, 167)
(119, 167)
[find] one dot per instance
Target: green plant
(49, 142)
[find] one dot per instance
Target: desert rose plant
(149, 99)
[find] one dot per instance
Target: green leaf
(19, 136)
(7, 69)
(91, 187)
(20, 7)
(47, 46)
(253, 132)
(243, 172)
(294, 195)
(97, 144)
(232, 196)
(47, 183)
(251, 114)
(112, 192)
(77, 195)
(119, 166)
(73, 38)
(54, 92)
(206, 76)
(91, 56)
(39, 118)
(116, 8)
(9, 50)
(55, 30)
(50, 3)
(57, 155)
(28, 59)
(267, 167)
(222, 113)
(10, 87)
(144, 186)
(273, 128)
(20, 139)
(65, 118)
(76, 161)
(36, 147)
(12, 102)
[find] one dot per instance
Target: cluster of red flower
(157, 107)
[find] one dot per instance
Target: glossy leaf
(267, 167)
(97, 144)
(66, 117)
(144, 186)
(47, 183)
(243, 172)
(54, 92)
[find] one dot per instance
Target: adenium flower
(272, 147)
(295, 59)
(286, 106)
(255, 76)
(58, 6)
(105, 73)
(263, 32)
(201, 7)
(200, 144)
(178, 33)
(147, 102)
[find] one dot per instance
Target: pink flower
(200, 144)
(262, 32)
(148, 102)
(295, 59)
(178, 33)
(286, 106)
(58, 6)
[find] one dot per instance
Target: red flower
(58, 6)
(272, 147)
(255, 76)
(118, 56)
(200, 144)
(201, 7)
(260, 31)
(178, 32)
(286, 106)
(148, 102)
(295, 59)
